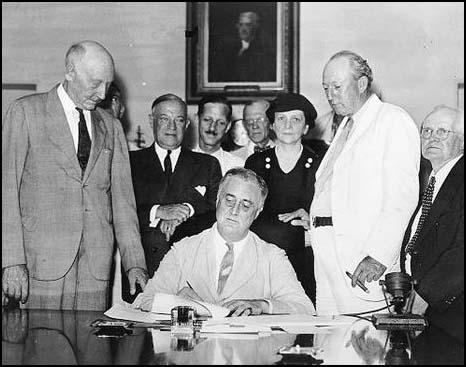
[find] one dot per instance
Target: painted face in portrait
(247, 24)
(256, 122)
(170, 123)
(344, 93)
(441, 139)
(88, 80)
(213, 125)
(238, 204)
(290, 126)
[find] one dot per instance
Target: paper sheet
(125, 311)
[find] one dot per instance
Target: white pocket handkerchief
(201, 190)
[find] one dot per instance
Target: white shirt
(440, 178)
(248, 149)
(226, 159)
(174, 155)
(72, 115)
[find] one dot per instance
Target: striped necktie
(225, 267)
(426, 205)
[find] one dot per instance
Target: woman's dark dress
(287, 193)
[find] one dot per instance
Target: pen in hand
(358, 282)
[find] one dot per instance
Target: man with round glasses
(257, 125)
(434, 241)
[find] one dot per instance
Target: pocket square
(201, 190)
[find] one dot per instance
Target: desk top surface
(67, 337)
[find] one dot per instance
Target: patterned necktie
(258, 149)
(225, 267)
(167, 165)
(84, 141)
(426, 204)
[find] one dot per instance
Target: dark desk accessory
(111, 328)
(400, 287)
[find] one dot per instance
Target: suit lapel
(59, 132)
(242, 272)
(185, 168)
(99, 133)
(445, 196)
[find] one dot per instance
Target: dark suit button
(154, 249)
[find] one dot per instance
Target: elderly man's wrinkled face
(341, 88)
(247, 25)
(213, 125)
(89, 79)
(170, 124)
(238, 204)
(256, 122)
(441, 139)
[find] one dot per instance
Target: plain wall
(415, 49)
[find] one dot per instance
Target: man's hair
(169, 97)
(359, 66)
(215, 99)
(246, 175)
(257, 101)
(252, 15)
(459, 117)
(74, 53)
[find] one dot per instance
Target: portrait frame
(201, 52)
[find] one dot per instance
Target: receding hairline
(77, 51)
(169, 97)
(458, 120)
(251, 15)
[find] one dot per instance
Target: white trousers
(334, 294)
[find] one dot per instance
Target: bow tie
(258, 149)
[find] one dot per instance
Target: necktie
(426, 204)
(84, 141)
(338, 145)
(167, 165)
(258, 149)
(225, 267)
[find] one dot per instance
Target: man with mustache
(67, 192)
(214, 114)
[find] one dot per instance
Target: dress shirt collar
(162, 153)
(217, 154)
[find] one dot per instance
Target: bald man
(67, 191)
(434, 245)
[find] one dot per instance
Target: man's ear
(258, 212)
(363, 82)
(70, 74)
(228, 127)
(188, 121)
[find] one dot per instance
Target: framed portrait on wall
(241, 49)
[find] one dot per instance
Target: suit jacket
(437, 261)
(261, 272)
(49, 208)
(374, 188)
(151, 188)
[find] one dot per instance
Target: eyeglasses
(440, 133)
(259, 120)
(245, 205)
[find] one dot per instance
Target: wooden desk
(66, 337)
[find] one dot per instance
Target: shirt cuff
(270, 311)
(191, 209)
(152, 220)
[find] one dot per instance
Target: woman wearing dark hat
(289, 170)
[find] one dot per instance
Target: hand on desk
(245, 307)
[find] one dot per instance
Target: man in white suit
(228, 264)
(366, 190)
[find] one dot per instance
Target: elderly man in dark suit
(434, 242)
(175, 188)
(66, 191)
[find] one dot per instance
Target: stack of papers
(163, 303)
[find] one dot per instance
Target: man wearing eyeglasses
(228, 264)
(174, 187)
(365, 192)
(257, 125)
(434, 241)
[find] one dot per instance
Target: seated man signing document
(228, 264)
